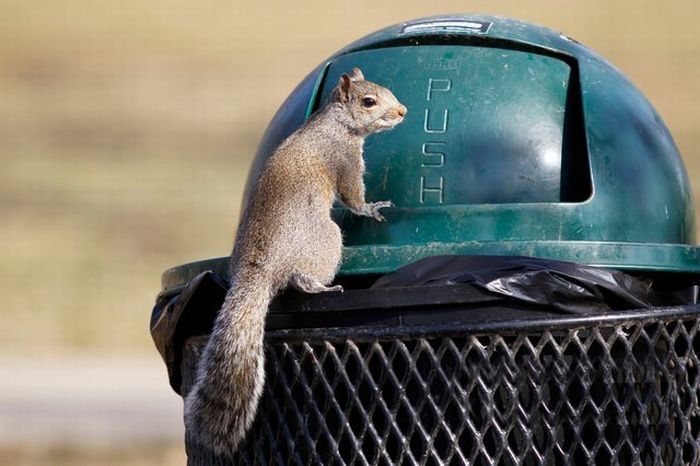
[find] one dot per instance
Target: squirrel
(285, 237)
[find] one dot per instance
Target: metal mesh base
(624, 393)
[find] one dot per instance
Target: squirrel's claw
(374, 207)
(381, 204)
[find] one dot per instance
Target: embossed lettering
(435, 158)
(434, 151)
(438, 85)
(435, 191)
(437, 129)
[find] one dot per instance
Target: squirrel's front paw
(373, 209)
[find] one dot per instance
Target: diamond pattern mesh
(596, 394)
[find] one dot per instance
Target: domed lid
(518, 140)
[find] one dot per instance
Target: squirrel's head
(372, 108)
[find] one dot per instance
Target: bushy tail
(231, 374)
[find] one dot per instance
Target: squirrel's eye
(368, 102)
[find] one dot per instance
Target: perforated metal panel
(619, 390)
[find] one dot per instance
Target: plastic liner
(565, 286)
(189, 313)
(466, 282)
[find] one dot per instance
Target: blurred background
(126, 131)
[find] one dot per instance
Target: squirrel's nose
(402, 110)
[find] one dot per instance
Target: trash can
(519, 143)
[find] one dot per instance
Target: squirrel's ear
(357, 75)
(344, 86)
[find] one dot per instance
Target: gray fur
(286, 237)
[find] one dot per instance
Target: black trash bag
(564, 286)
(189, 313)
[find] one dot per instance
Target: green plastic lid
(518, 141)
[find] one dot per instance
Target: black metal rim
(497, 325)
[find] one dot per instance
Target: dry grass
(128, 128)
(155, 455)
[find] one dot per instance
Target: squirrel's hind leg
(309, 284)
